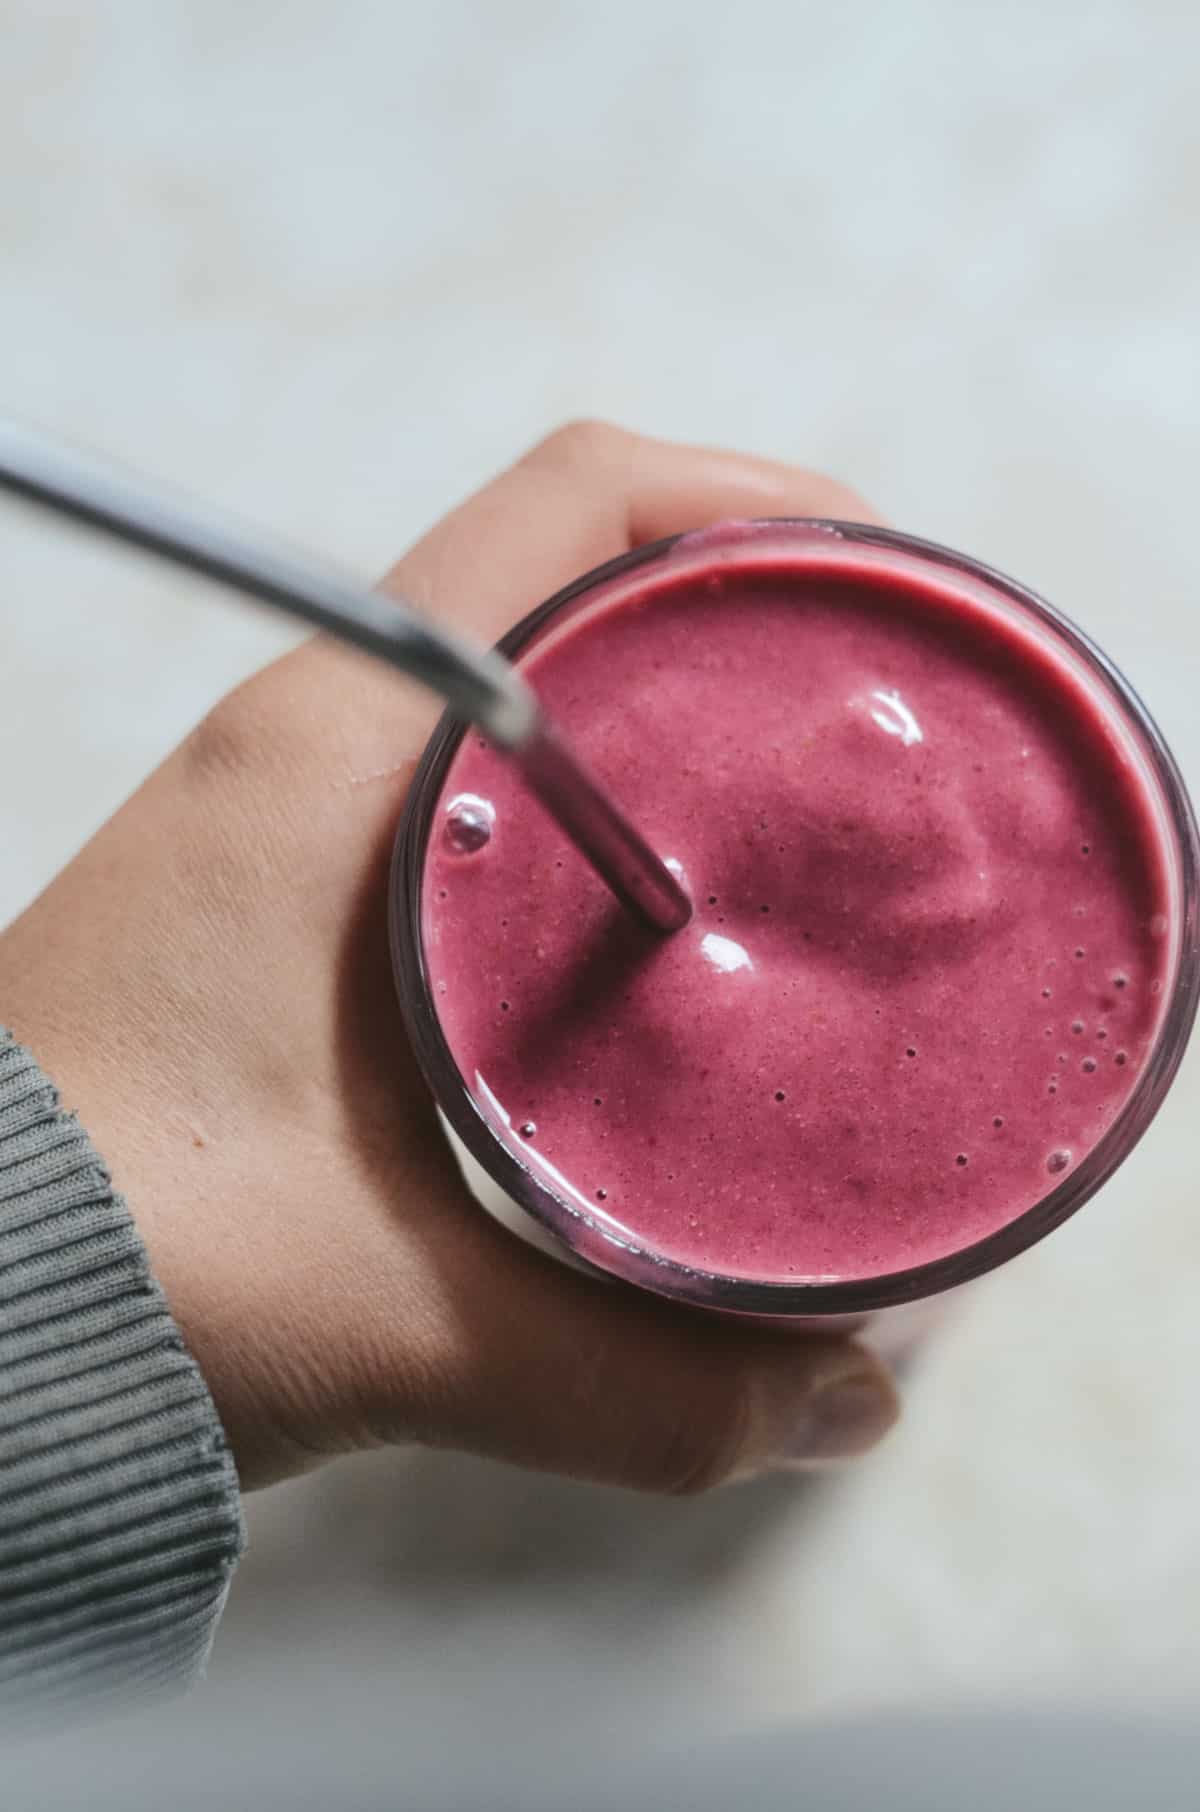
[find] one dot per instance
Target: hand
(209, 983)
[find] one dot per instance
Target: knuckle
(585, 441)
(226, 742)
(704, 1444)
(262, 726)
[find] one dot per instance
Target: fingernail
(841, 1417)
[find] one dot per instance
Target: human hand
(209, 983)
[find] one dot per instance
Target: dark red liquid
(929, 951)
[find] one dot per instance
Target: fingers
(582, 496)
(585, 494)
(565, 1373)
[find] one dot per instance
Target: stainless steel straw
(478, 685)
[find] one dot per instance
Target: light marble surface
(331, 265)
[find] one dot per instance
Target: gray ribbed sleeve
(120, 1520)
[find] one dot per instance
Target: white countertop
(332, 265)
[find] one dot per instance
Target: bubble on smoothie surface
(1057, 1162)
(469, 822)
(1088, 1065)
(527, 1129)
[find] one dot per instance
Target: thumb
(571, 1374)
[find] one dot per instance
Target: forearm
(119, 1514)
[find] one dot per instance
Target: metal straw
(478, 684)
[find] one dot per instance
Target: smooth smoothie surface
(930, 942)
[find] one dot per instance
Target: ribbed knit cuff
(120, 1520)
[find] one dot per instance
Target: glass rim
(617, 1252)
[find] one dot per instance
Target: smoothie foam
(930, 945)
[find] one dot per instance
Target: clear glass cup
(850, 1302)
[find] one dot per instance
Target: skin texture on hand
(209, 983)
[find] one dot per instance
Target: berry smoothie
(932, 936)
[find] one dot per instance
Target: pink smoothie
(929, 953)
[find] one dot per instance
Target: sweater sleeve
(120, 1521)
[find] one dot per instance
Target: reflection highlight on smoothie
(724, 953)
(893, 716)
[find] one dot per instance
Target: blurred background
(331, 265)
